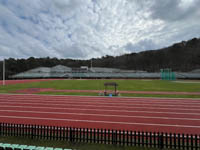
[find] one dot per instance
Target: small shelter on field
(107, 91)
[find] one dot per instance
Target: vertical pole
(91, 63)
(0, 128)
(4, 72)
(161, 74)
(115, 90)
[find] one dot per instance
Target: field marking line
(102, 110)
(35, 100)
(102, 115)
(101, 99)
(198, 99)
(95, 106)
(104, 122)
(98, 103)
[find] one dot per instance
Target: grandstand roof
(100, 69)
(60, 68)
(40, 69)
(196, 71)
(60, 71)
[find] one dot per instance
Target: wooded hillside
(184, 56)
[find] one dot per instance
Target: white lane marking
(102, 115)
(82, 98)
(102, 110)
(105, 122)
(74, 96)
(34, 101)
(76, 105)
(102, 97)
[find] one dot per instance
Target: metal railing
(103, 136)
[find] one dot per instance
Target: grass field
(64, 144)
(126, 85)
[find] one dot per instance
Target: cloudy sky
(82, 29)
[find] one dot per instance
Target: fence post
(32, 131)
(87, 135)
(0, 128)
(120, 137)
(91, 137)
(139, 140)
(131, 141)
(64, 134)
(101, 136)
(150, 139)
(192, 142)
(160, 141)
(179, 141)
(166, 140)
(135, 138)
(196, 142)
(123, 137)
(77, 134)
(175, 143)
(142, 138)
(108, 136)
(94, 133)
(61, 133)
(105, 136)
(170, 140)
(80, 134)
(187, 139)
(147, 139)
(183, 141)
(83, 134)
(127, 138)
(71, 134)
(22, 129)
(116, 137)
(112, 137)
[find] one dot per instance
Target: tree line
(184, 56)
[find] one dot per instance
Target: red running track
(8, 82)
(140, 114)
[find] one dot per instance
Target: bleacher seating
(6, 146)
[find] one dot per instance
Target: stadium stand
(61, 71)
(6, 146)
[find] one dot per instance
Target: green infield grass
(64, 144)
(125, 85)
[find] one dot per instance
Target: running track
(8, 82)
(140, 114)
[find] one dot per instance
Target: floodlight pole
(4, 72)
(91, 63)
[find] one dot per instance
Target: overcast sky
(82, 29)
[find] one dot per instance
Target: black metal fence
(104, 136)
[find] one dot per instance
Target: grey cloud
(67, 5)
(64, 50)
(146, 44)
(174, 10)
(93, 28)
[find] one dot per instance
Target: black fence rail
(104, 136)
